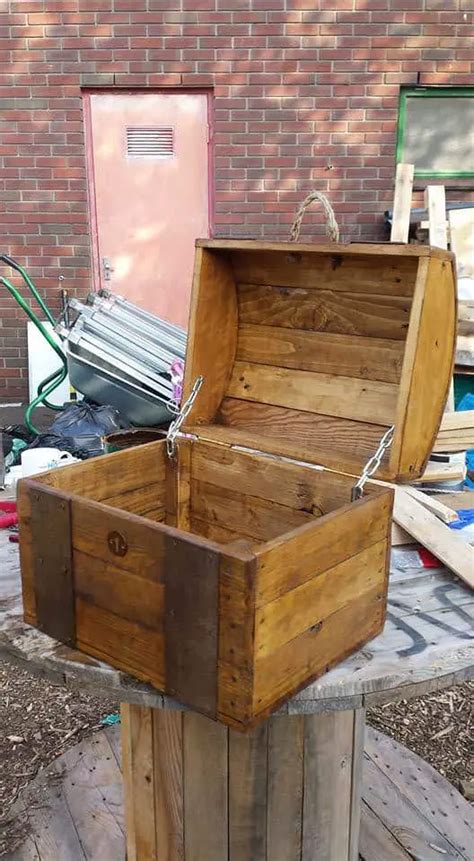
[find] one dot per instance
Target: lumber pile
(456, 432)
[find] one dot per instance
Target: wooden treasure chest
(228, 565)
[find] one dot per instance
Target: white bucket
(36, 460)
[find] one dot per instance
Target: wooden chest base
(229, 580)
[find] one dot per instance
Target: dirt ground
(38, 721)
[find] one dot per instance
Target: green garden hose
(48, 385)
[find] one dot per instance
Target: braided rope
(332, 227)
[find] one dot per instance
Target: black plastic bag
(83, 425)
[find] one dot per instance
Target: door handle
(108, 268)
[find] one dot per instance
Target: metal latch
(108, 268)
(372, 464)
(173, 430)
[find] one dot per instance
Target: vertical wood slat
(205, 753)
(168, 783)
(285, 788)
(402, 203)
(327, 785)
(50, 530)
(356, 788)
(139, 782)
(248, 795)
(190, 625)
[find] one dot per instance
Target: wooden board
(461, 223)
(341, 396)
(402, 202)
(205, 764)
(322, 352)
(191, 623)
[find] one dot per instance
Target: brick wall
(306, 95)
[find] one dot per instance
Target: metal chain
(175, 425)
(372, 464)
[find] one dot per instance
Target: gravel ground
(38, 721)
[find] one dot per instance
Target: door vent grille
(150, 142)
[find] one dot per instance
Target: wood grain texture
(322, 310)
(167, 752)
(191, 623)
(236, 636)
(285, 788)
(247, 515)
(177, 486)
(315, 492)
(50, 531)
(381, 249)
(377, 841)
(313, 602)
(288, 562)
(337, 443)
(322, 352)
(138, 779)
(205, 752)
(402, 202)
(125, 644)
(280, 674)
(341, 273)
(347, 397)
(212, 335)
(427, 368)
(327, 777)
(248, 795)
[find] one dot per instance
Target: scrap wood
(441, 472)
(423, 525)
(457, 421)
(441, 511)
(402, 203)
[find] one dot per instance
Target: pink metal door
(149, 194)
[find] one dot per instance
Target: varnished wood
(322, 352)
(381, 249)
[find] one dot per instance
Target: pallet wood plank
(286, 563)
(341, 273)
(377, 842)
(285, 788)
(402, 202)
(369, 401)
(328, 775)
(138, 779)
(248, 794)
(205, 788)
(287, 617)
(191, 623)
(168, 784)
(461, 223)
(236, 635)
(324, 311)
(435, 203)
(322, 352)
(50, 529)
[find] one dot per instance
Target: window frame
(427, 93)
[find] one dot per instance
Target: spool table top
(427, 644)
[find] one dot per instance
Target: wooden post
(290, 790)
(402, 203)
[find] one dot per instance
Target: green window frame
(407, 93)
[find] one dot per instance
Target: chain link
(372, 464)
(175, 425)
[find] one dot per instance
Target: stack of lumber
(456, 432)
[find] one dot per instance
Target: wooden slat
(313, 602)
(147, 501)
(124, 644)
(236, 635)
(125, 594)
(191, 623)
(463, 420)
(368, 401)
(281, 674)
(113, 474)
(167, 754)
(342, 273)
(430, 344)
(324, 311)
(95, 528)
(461, 223)
(205, 788)
(435, 203)
(377, 842)
(212, 333)
(312, 491)
(402, 202)
(328, 773)
(358, 739)
(50, 531)
(290, 561)
(246, 515)
(177, 484)
(340, 444)
(216, 532)
(285, 788)
(138, 777)
(248, 794)
(322, 352)
(435, 536)
(382, 249)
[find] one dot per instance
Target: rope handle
(332, 227)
